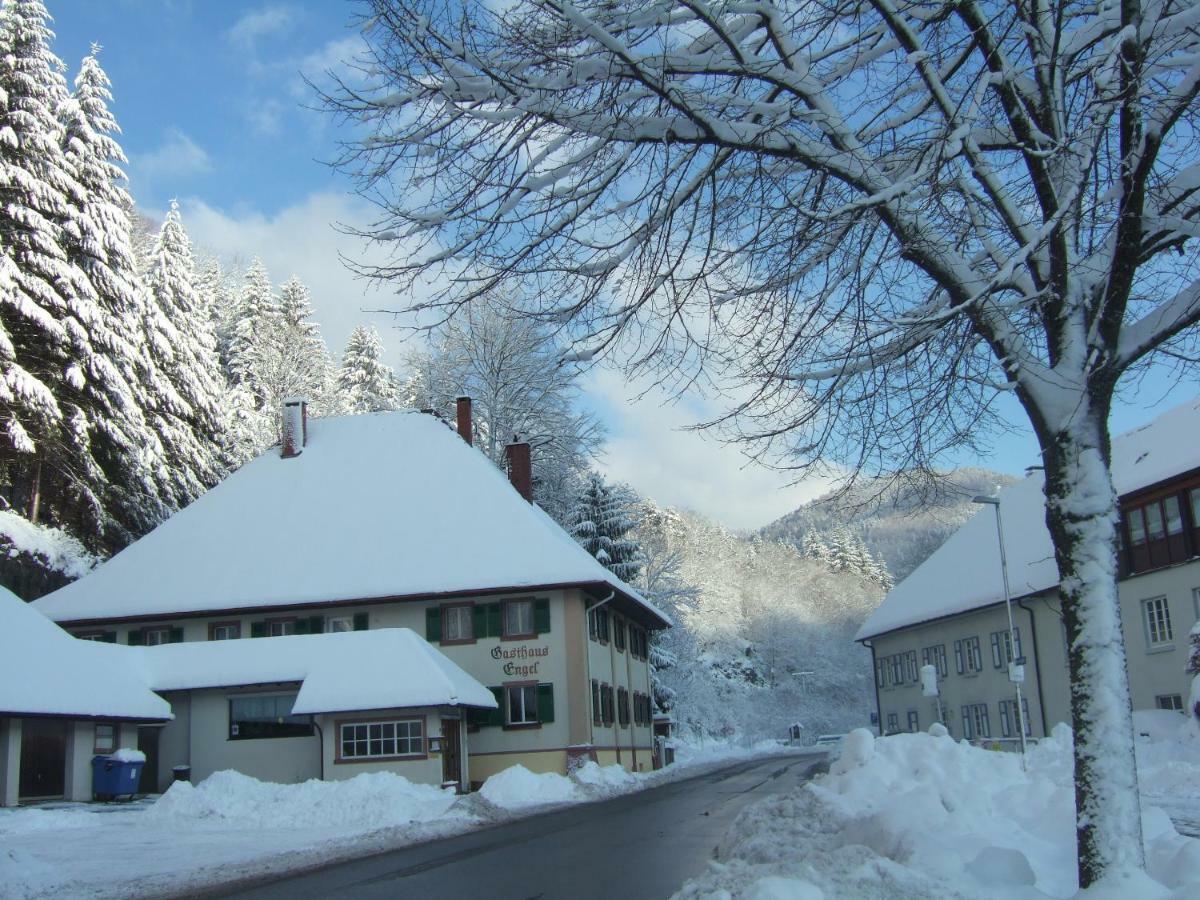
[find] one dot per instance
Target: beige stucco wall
(427, 770)
(1159, 671)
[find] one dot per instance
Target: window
(897, 662)
(224, 631)
(623, 707)
(457, 623)
(1002, 647)
(1005, 725)
(913, 721)
(374, 740)
(1170, 701)
(1021, 716)
(606, 704)
(521, 704)
(974, 656)
(936, 656)
(152, 637)
(997, 662)
(893, 724)
(910, 665)
(106, 738)
(338, 624)
(598, 624)
(1157, 533)
(266, 717)
(281, 627)
(958, 656)
(880, 674)
(980, 723)
(597, 704)
(1158, 622)
(619, 634)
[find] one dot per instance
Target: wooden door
(148, 744)
(452, 753)
(43, 758)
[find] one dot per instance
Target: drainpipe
(875, 684)
(321, 745)
(1037, 666)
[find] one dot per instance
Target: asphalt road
(640, 846)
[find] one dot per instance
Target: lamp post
(1016, 671)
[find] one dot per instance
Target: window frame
(505, 634)
(339, 724)
(164, 631)
(448, 610)
(283, 622)
(233, 735)
(893, 723)
(1151, 624)
(914, 721)
(522, 686)
(234, 624)
(1175, 702)
(113, 727)
(327, 627)
(935, 655)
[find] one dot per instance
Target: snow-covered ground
(923, 815)
(230, 827)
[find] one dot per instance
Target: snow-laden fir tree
(78, 452)
(365, 382)
(290, 359)
(603, 521)
(188, 391)
(246, 325)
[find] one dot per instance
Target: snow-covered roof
(45, 671)
(376, 506)
(1160, 450)
(351, 671)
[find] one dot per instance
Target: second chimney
(294, 427)
(463, 409)
(520, 469)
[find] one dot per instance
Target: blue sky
(214, 112)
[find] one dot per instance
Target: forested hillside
(899, 524)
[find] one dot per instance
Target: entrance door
(452, 753)
(43, 758)
(148, 744)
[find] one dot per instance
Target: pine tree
(291, 359)
(365, 382)
(76, 450)
(602, 521)
(188, 391)
(247, 325)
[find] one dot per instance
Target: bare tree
(879, 216)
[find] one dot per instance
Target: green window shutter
(258, 629)
(362, 622)
(135, 638)
(545, 701)
(175, 636)
(495, 620)
(541, 616)
(479, 621)
(109, 637)
(433, 624)
(496, 716)
(316, 625)
(302, 626)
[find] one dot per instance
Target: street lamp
(1016, 671)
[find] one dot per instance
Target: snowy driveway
(640, 846)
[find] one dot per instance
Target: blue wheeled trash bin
(113, 777)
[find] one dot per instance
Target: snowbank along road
(640, 846)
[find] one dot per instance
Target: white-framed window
(959, 658)
(106, 738)
(372, 740)
(152, 637)
(1169, 701)
(225, 631)
(893, 723)
(520, 704)
(1158, 621)
(975, 721)
(974, 654)
(281, 627)
(252, 717)
(338, 624)
(914, 722)
(518, 618)
(457, 623)
(1005, 723)
(910, 665)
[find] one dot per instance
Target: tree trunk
(1082, 516)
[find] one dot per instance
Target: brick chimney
(294, 430)
(520, 469)
(463, 409)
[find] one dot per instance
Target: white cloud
(649, 449)
(301, 240)
(178, 156)
(260, 23)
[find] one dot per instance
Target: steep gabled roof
(349, 672)
(964, 573)
(376, 506)
(45, 671)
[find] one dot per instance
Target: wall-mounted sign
(520, 661)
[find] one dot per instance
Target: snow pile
(59, 550)
(606, 780)
(362, 803)
(129, 755)
(1168, 756)
(919, 815)
(516, 787)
